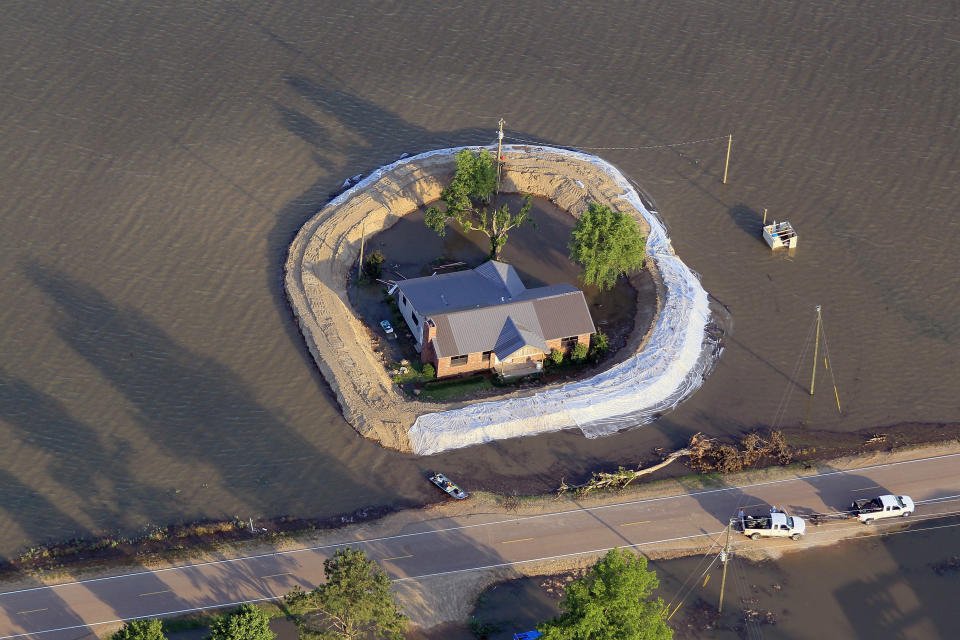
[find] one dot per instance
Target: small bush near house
(579, 353)
(556, 356)
(599, 345)
(373, 265)
(428, 371)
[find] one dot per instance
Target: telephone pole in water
(816, 350)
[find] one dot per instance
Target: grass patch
(443, 390)
(413, 374)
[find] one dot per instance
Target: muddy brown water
(895, 586)
(159, 158)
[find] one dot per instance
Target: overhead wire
(788, 392)
(679, 597)
(644, 148)
(827, 359)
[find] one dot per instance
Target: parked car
(387, 328)
(773, 525)
(888, 506)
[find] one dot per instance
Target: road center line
(865, 488)
(630, 524)
(275, 575)
(154, 593)
(396, 558)
(517, 540)
(23, 613)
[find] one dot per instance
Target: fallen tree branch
(620, 478)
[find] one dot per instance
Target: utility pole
(499, 152)
(499, 163)
(816, 346)
(727, 165)
(724, 558)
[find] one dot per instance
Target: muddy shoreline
(321, 256)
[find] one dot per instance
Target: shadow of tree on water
(190, 406)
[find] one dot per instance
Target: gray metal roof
(502, 327)
(489, 309)
(489, 284)
(513, 338)
(502, 275)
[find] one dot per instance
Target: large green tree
(467, 201)
(611, 602)
(355, 601)
(147, 629)
(246, 623)
(606, 244)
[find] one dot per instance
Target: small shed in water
(780, 234)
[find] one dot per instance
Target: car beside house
(487, 319)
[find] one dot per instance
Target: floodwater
(159, 157)
(892, 586)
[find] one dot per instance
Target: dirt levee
(327, 246)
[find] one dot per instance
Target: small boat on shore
(448, 485)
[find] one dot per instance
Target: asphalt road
(77, 609)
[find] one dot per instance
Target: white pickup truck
(774, 525)
(888, 506)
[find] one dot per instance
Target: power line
(655, 146)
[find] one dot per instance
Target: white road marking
(486, 524)
(457, 528)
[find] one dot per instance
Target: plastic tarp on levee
(670, 367)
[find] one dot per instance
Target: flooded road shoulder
(893, 584)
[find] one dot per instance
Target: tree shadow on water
(190, 406)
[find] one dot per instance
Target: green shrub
(146, 629)
(429, 371)
(481, 629)
(599, 345)
(556, 356)
(373, 265)
(246, 623)
(579, 353)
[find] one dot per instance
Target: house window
(567, 343)
(416, 320)
(486, 356)
(403, 300)
(457, 361)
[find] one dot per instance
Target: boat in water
(448, 485)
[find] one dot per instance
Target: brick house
(486, 319)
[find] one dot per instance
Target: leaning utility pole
(727, 163)
(816, 347)
(724, 558)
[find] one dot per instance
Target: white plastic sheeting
(670, 368)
